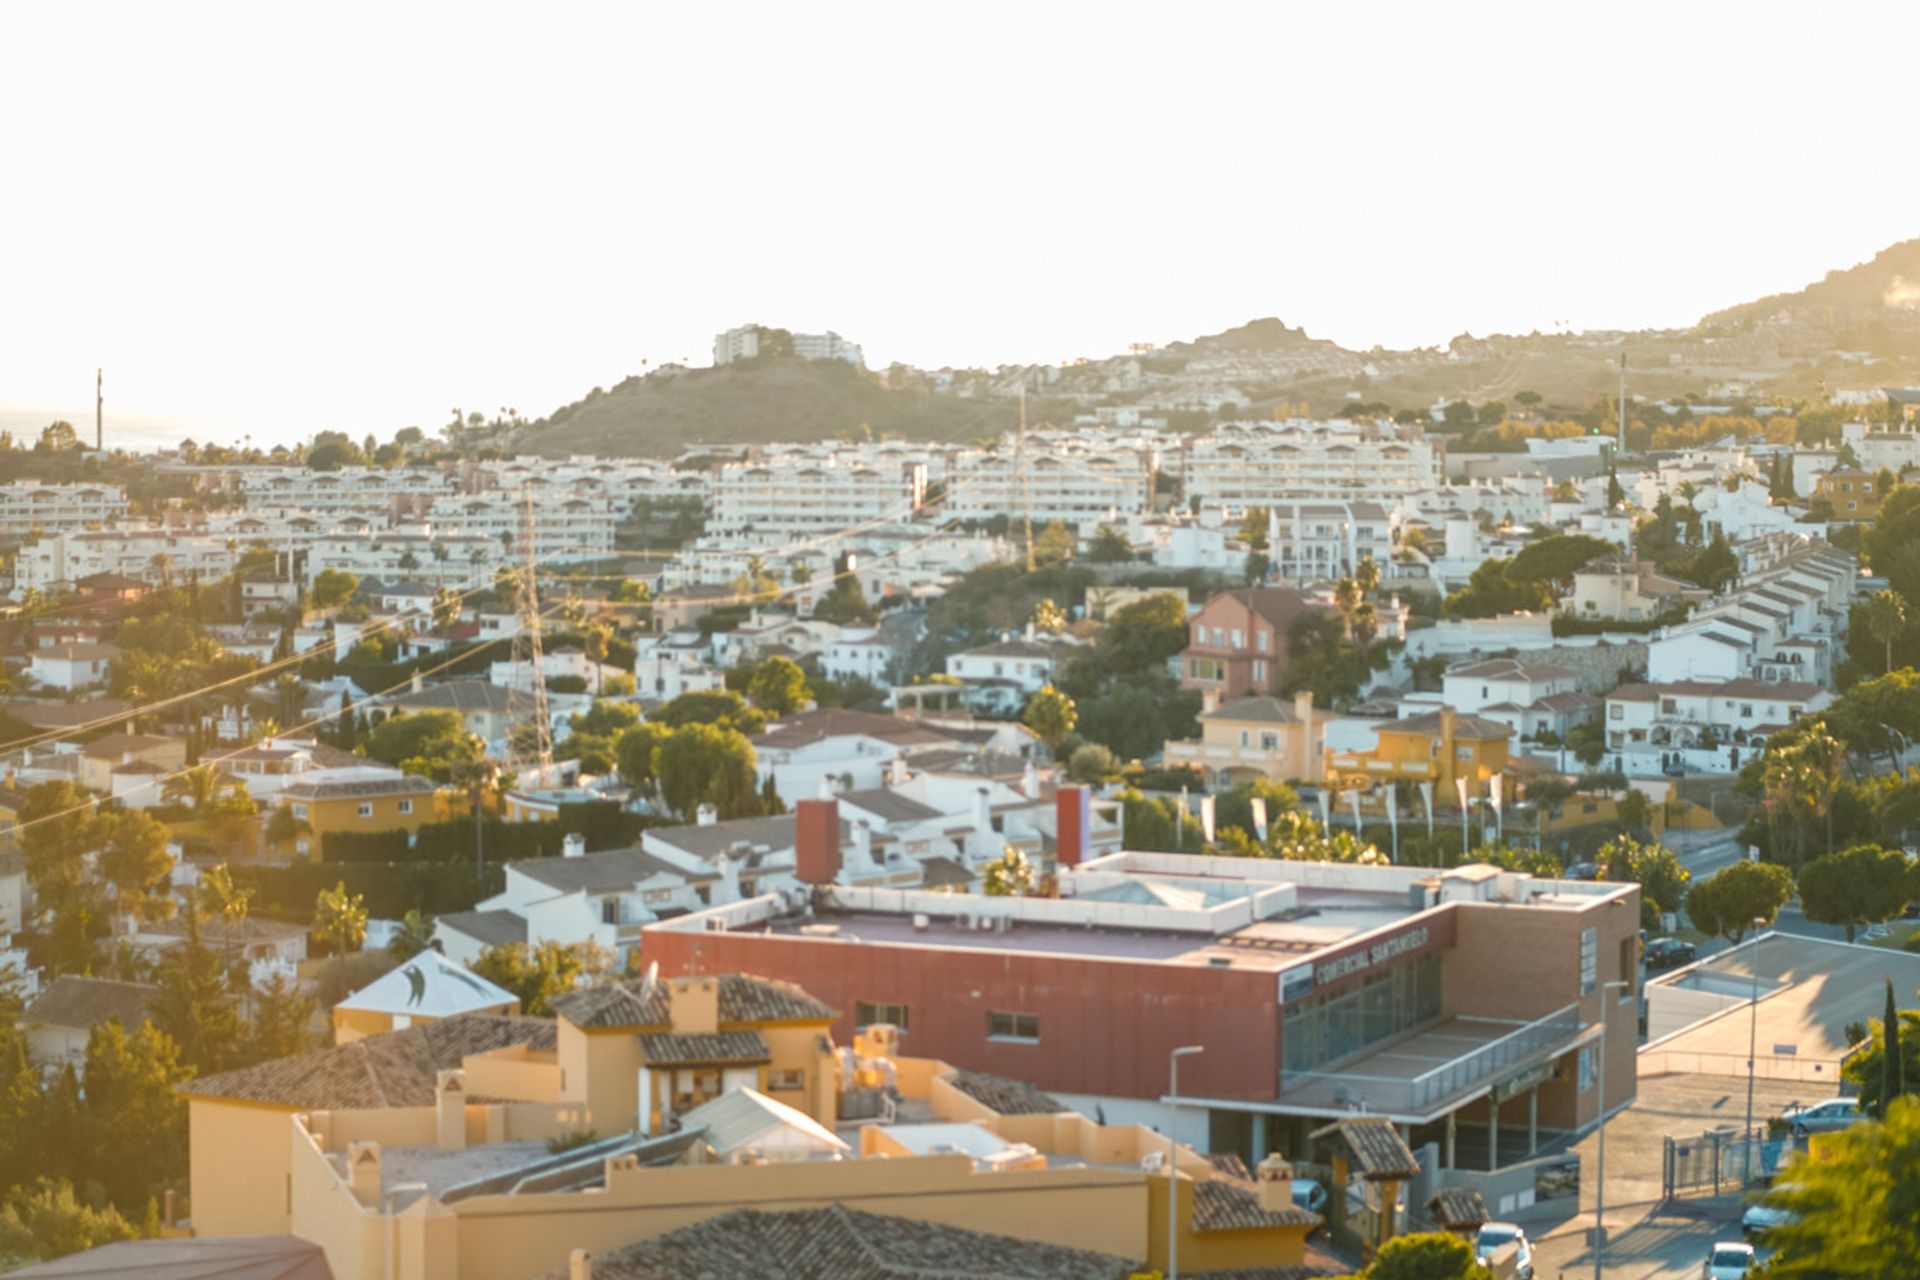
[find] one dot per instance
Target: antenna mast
(99, 409)
(1026, 480)
(531, 747)
(1620, 446)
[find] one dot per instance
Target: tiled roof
(1511, 669)
(705, 1047)
(392, 1070)
(1004, 1096)
(114, 745)
(603, 872)
(88, 1002)
(936, 872)
(847, 1244)
(495, 928)
(889, 806)
(744, 1000)
(405, 784)
(1376, 1147)
(1458, 1207)
(454, 695)
(1258, 709)
(1228, 1204)
(1464, 726)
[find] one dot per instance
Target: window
(1746, 711)
(1666, 706)
(868, 1012)
(1260, 641)
(300, 811)
(609, 911)
(1260, 669)
(1627, 957)
(1013, 1026)
(1589, 961)
(406, 806)
(1463, 753)
(1327, 1029)
(366, 808)
(1269, 740)
(791, 1081)
(1237, 638)
(1587, 1061)
(1616, 712)
(1246, 738)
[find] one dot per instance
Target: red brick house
(1238, 643)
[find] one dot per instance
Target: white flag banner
(1493, 790)
(1426, 795)
(1325, 806)
(1353, 800)
(1206, 817)
(1460, 784)
(1259, 806)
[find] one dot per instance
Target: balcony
(1427, 1074)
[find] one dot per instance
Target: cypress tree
(1893, 1064)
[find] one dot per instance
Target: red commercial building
(1467, 1004)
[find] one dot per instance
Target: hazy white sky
(280, 218)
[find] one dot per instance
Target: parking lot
(1648, 1240)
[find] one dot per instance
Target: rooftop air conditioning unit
(920, 922)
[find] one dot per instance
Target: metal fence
(1720, 1161)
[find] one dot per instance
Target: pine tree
(194, 1005)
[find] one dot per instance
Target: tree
(429, 744)
(217, 899)
(538, 974)
(194, 1003)
(414, 935)
(844, 603)
(1886, 619)
(1047, 616)
(134, 860)
(1008, 876)
(341, 918)
(1051, 715)
(1055, 544)
(1729, 901)
(199, 788)
(779, 686)
(1109, 546)
(282, 1021)
(1894, 1077)
(705, 764)
(1852, 1213)
(333, 588)
(46, 1220)
(135, 1124)
(722, 707)
(1861, 885)
(635, 753)
(1091, 764)
(1654, 867)
(1435, 1255)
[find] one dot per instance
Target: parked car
(1761, 1218)
(1822, 1117)
(1729, 1260)
(1495, 1236)
(1584, 871)
(1310, 1195)
(1669, 953)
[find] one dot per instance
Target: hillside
(755, 402)
(1887, 288)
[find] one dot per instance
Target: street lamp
(1600, 1175)
(1753, 1032)
(1173, 1147)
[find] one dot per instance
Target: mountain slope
(754, 402)
(1888, 287)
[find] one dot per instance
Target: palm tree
(1826, 756)
(1366, 624)
(1886, 619)
(595, 640)
(197, 787)
(341, 918)
(1367, 575)
(1346, 599)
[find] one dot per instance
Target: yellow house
(1850, 493)
(1438, 747)
(670, 1046)
(364, 799)
(1256, 737)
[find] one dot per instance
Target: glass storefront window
(1327, 1029)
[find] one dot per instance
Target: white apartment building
(666, 666)
(1307, 541)
(1257, 464)
(30, 506)
(150, 554)
(775, 502)
(367, 491)
(567, 526)
(624, 480)
(414, 555)
(1526, 697)
(1083, 488)
(1701, 726)
(743, 343)
(858, 653)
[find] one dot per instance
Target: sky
(274, 219)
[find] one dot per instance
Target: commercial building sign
(1368, 957)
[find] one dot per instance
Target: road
(1703, 853)
(1645, 1242)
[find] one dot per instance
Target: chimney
(693, 1005)
(1073, 825)
(573, 845)
(982, 811)
(363, 1172)
(897, 771)
(1030, 781)
(862, 842)
(450, 1110)
(579, 1265)
(816, 837)
(1275, 1177)
(706, 815)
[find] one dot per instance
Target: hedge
(391, 889)
(604, 824)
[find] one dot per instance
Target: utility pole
(1620, 446)
(99, 409)
(527, 647)
(1026, 481)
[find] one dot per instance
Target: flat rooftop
(1257, 914)
(1810, 989)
